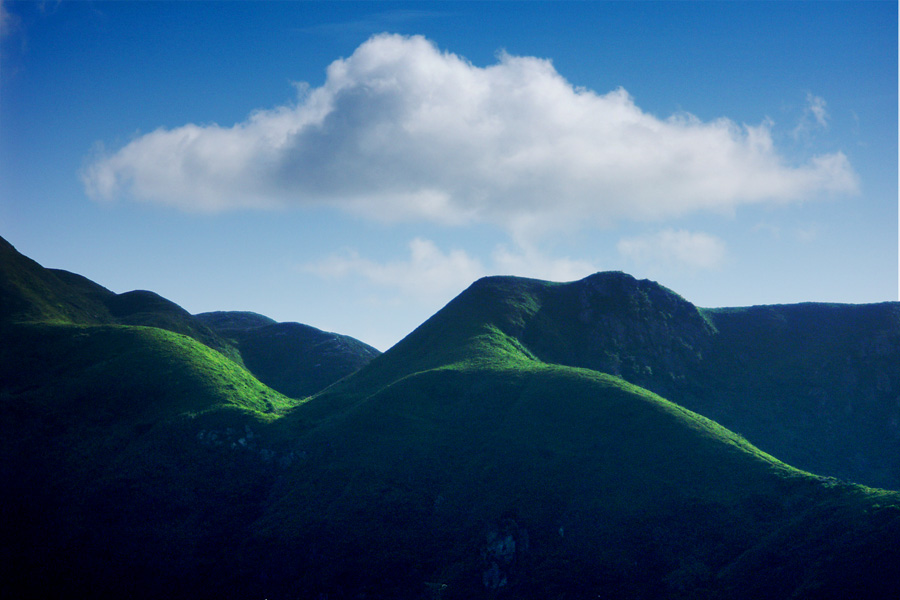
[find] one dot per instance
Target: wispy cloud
(403, 131)
(431, 275)
(375, 22)
(815, 117)
(673, 248)
(801, 232)
(428, 273)
(817, 110)
(528, 261)
(808, 232)
(7, 21)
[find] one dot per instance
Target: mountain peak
(615, 292)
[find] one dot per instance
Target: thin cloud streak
(815, 117)
(673, 248)
(401, 131)
(433, 276)
(428, 273)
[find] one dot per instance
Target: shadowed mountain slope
(297, 360)
(107, 490)
(478, 470)
(228, 323)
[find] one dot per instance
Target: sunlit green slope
(295, 359)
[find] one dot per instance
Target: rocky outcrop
(503, 554)
(614, 323)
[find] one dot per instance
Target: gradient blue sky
(354, 166)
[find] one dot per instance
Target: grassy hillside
(813, 384)
(540, 481)
(296, 359)
(28, 292)
(107, 487)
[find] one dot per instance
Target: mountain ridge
(32, 293)
(739, 366)
(468, 461)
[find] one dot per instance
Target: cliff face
(614, 323)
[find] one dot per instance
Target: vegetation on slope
(297, 360)
(539, 481)
(813, 384)
(294, 359)
(28, 292)
(107, 488)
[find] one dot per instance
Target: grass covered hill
(296, 359)
(462, 462)
(817, 385)
(482, 457)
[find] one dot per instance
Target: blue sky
(354, 166)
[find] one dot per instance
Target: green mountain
(499, 451)
(305, 361)
(817, 385)
(295, 359)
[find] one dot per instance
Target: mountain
(817, 385)
(814, 384)
(306, 359)
(297, 360)
(498, 451)
(30, 292)
(465, 460)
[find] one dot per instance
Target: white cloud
(815, 116)
(529, 262)
(431, 276)
(428, 274)
(402, 131)
(674, 248)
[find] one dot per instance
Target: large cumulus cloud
(401, 130)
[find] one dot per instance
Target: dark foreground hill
(482, 457)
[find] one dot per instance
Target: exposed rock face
(614, 323)
(503, 554)
(805, 382)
